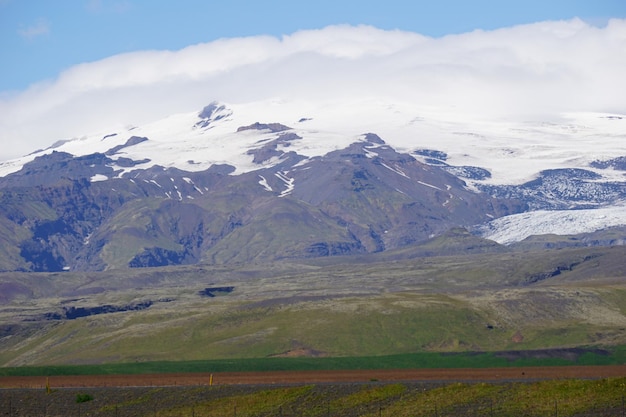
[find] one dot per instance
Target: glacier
(517, 227)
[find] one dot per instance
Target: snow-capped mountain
(509, 153)
(272, 179)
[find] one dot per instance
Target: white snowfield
(512, 151)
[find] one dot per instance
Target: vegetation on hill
(381, 304)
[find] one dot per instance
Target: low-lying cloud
(537, 70)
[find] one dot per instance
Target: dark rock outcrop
(211, 291)
(272, 127)
(72, 313)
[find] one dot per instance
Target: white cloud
(39, 28)
(531, 70)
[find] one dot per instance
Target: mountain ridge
(260, 191)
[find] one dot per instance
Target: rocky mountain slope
(221, 187)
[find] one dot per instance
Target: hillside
(59, 215)
(376, 304)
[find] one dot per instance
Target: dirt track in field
(304, 377)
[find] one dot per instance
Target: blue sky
(41, 38)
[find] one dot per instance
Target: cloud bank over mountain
(530, 71)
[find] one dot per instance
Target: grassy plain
(374, 306)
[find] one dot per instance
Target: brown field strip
(305, 377)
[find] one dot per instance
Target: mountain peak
(212, 113)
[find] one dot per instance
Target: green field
(423, 360)
(562, 398)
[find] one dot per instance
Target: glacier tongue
(517, 227)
